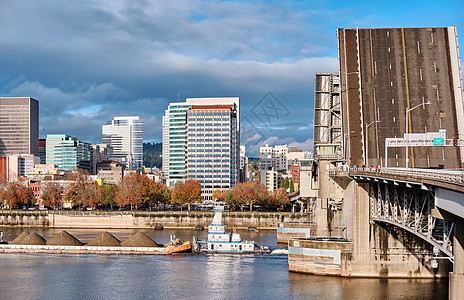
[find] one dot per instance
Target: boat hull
(168, 250)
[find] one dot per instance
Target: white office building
(125, 136)
(273, 157)
(201, 142)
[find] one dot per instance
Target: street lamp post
(367, 141)
(407, 129)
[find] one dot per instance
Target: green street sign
(438, 141)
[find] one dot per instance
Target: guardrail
(139, 213)
(444, 176)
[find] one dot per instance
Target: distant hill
(152, 155)
(254, 161)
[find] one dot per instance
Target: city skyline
(89, 62)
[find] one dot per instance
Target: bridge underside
(411, 209)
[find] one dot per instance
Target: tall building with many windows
(19, 126)
(174, 143)
(67, 152)
(273, 157)
(125, 135)
(212, 147)
(200, 136)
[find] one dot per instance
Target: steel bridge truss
(410, 208)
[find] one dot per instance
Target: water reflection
(325, 287)
(185, 276)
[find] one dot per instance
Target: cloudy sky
(87, 61)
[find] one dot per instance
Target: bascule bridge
(390, 199)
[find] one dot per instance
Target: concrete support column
(324, 192)
(456, 278)
(361, 222)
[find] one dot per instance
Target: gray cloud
(89, 61)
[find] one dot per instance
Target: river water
(185, 276)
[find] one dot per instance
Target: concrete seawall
(124, 220)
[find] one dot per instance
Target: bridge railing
(445, 176)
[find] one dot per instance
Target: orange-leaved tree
(51, 194)
(155, 192)
(250, 193)
(129, 190)
(186, 193)
(278, 198)
(16, 194)
(82, 189)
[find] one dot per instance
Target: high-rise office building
(273, 157)
(212, 147)
(400, 83)
(67, 152)
(211, 127)
(43, 151)
(125, 135)
(19, 129)
(98, 153)
(244, 175)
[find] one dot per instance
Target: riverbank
(142, 220)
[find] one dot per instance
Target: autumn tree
(154, 193)
(51, 194)
(186, 193)
(278, 198)
(106, 195)
(82, 189)
(129, 191)
(228, 197)
(216, 193)
(89, 194)
(250, 193)
(16, 194)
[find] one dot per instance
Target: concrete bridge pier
(456, 278)
(361, 223)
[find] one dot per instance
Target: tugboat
(221, 241)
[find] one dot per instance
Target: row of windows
(208, 124)
(206, 176)
(190, 134)
(209, 119)
(208, 145)
(209, 155)
(208, 160)
(209, 150)
(208, 140)
(224, 114)
(209, 166)
(208, 129)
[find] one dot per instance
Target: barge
(108, 245)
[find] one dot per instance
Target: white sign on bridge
(429, 139)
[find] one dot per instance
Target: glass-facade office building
(212, 147)
(125, 135)
(67, 152)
